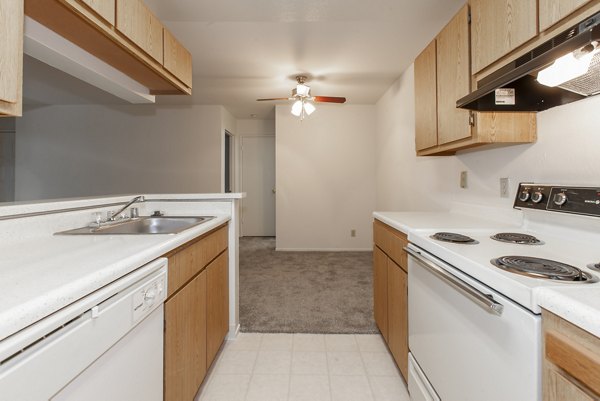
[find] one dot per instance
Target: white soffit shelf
(47, 46)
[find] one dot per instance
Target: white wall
(565, 153)
(68, 151)
(255, 127)
(325, 177)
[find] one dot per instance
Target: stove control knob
(524, 196)
(560, 199)
(537, 197)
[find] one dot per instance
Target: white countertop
(41, 273)
(579, 305)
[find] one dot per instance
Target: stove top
(517, 238)
(542, 268)
(454, 238)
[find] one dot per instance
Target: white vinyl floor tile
(304, 367)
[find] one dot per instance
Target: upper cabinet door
(453, 78)
(11, 56)
(178, 60)
(500, 26)
(137, 22)
(552, 11)
(426, 98)
(104, 8)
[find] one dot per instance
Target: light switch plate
(504, 184)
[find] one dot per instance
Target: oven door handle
(485, 301)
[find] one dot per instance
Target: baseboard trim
(234, 330)
(324, 249)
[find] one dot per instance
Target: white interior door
(258, 181)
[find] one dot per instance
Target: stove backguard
(555, 198)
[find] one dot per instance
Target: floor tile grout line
(366, 374)
(253, 367)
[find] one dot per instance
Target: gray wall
(89, 150)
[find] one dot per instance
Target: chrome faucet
(116, 214)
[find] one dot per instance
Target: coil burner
(517, 238)
(542, 268)
(454, 238)
(594, 266)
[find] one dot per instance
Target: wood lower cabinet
(11, 57)
(571, 364)
(185, 340)
(380, 291)
(390, 291)
(196, 312)
(442, 76)
(217, 305)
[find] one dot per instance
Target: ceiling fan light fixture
(302, 90)
(309, 108)
(297, 108)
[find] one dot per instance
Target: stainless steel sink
(142, 225)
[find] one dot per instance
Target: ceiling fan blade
(329, 99)
(275, 98)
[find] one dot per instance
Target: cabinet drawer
(186, 261)
(139, 25)
(392, 242)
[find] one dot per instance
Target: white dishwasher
(106, 346)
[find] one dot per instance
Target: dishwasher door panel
(466, 352)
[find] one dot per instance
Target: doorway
(258, 182)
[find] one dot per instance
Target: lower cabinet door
(380, 293)
(185, 340)
(217, 305)
(559, 388)
(398, 315)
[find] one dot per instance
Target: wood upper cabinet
(11, 57)
(552, 11)
(104, 8)
(440, 127)
(500, 26)
(217, 305)
(140, 25)
(453, 78)
(571, 364)
(390, 290)
(426, 98)
(185, 340)
(177, 59)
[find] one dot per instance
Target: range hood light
(567, 67)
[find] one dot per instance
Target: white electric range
(474, 318)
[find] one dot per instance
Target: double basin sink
(142, 225)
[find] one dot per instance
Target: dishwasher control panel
(148, 296)
(556, 198)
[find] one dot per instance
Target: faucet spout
(139, 198)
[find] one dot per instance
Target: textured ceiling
(248, 49)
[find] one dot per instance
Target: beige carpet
(304, 292)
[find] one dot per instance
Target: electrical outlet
(463, 179)
(353, 233)
(504, 187)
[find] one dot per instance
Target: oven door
(471, 343)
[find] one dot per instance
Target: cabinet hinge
(471, 119)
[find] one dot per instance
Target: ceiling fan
(303, 100)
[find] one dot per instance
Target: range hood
(515, 87)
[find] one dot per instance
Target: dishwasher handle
(485, 301)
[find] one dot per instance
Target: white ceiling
(248, 49)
